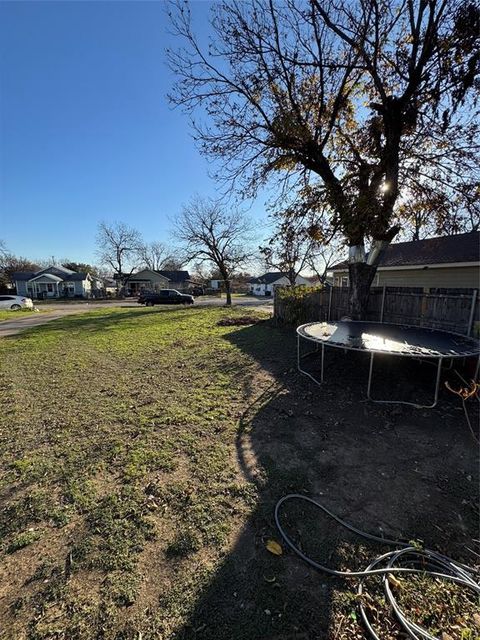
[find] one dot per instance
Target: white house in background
(56, 282)
(265, 285)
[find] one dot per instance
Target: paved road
(22, 321)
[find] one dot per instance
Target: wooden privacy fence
(454, 310)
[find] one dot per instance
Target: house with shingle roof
(55, 281)
(154, 280)
(265, 285)
(435, 263)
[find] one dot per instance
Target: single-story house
(56, 282)
(434, 263)
(179, 280)
(153, 280)
(109, 285)
(265, 285)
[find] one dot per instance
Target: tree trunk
(361, 278)
(362, 269)
(228, 292)
(291, 277)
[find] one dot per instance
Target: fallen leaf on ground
(274, 548)
(395, 582)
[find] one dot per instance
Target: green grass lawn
(141, 454)
(118, 454)
(6, 314)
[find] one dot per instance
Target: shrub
(297, 305)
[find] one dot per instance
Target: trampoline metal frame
(440, 359)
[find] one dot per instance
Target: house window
(344, 281)
(49, 287)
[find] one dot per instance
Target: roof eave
(402, 267)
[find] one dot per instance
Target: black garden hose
(404, 559)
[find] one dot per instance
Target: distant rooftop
(267, 278)
(175, 276)
(55, 270)
(462, 247)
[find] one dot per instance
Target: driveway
(50, 312)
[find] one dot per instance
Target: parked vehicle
(15, 303)
(164, 296)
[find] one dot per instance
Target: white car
(15, 302)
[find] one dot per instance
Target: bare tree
(9, 264)
(291, 246)
(428, 212)
(118, 247)
(211, 234)
(174, 262)
(153, 255)
(83, 267)
(324, 256)
(359, 100)
(201, 272)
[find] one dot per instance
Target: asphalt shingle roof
(462, 247)
(268, 278)
(23, 275)
(175, 276)
(64, 274)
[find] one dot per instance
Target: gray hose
(403, 559)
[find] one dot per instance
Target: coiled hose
(404, 559)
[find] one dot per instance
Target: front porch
(134, 287)
(49, 286)
(145, 280)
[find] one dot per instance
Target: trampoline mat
(396, 339)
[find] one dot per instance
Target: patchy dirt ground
(396, 471)
(143, 452)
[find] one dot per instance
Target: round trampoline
(388, 339)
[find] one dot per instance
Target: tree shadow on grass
(390, 470)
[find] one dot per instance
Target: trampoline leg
(322, 361)
(412, 404)
(475, 377)
(303, 370)
(369, 385)
(437, 384)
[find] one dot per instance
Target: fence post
(383, 304)
(423, 306)
(472, 312)
(330, 291)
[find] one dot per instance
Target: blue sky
(86, 132)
